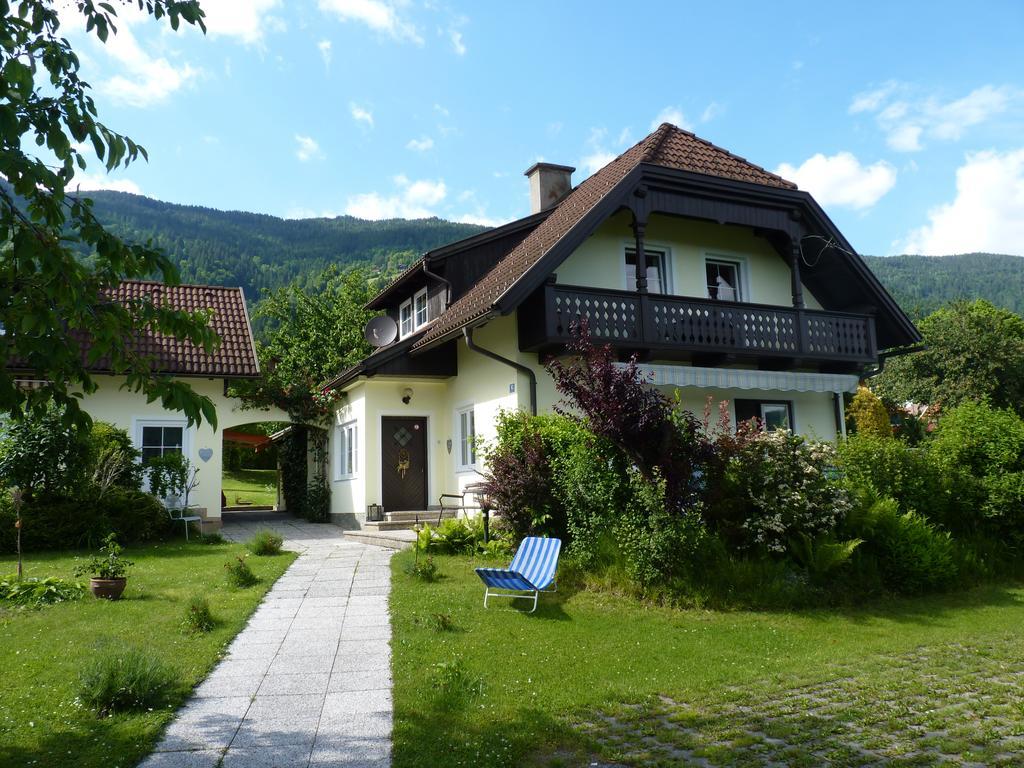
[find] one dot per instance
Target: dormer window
(413, 313)
(405, 318)
(420, 308)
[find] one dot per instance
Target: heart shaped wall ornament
(206, 453)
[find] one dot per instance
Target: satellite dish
(381, 331)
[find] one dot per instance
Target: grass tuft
(124, 679)
(240, 574)
(265, 543)
(198, 617)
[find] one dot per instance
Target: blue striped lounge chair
(532, 570)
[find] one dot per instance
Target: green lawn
(592, 676)
(42, 651)
(257, 486)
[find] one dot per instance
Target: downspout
(467, 333)
(447, 284)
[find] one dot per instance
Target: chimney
(549, 184)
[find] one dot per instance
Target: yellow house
(156, 431)
(724, 280)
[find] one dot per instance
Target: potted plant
(107, 572)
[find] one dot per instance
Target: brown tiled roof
(667, 146)
(234, 358)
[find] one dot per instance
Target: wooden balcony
(679, 327)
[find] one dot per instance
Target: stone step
(400, 539)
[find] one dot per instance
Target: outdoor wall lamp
(407, 395)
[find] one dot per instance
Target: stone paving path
(307, 683)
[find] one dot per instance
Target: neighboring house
(726, 280)
(157, 431)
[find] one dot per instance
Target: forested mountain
(922, 284)
(257, 251)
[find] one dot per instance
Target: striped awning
(734, 378)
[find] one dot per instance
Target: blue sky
(903, 119)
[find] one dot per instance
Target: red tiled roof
(668, 146)
(234, 358)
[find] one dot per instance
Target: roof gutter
(467, 333)
(883, 356)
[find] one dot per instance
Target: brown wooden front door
(403, 456)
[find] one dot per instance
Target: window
(346, 464)
(467, 438)
(420, 308)
(160, 437)
(723, 280)
(405, 318)
(160, 440)
(657, 274)
(773, 414)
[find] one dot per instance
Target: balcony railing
(678, 324)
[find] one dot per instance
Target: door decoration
(403, 462)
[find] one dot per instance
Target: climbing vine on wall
(318, 495)
(293, 452)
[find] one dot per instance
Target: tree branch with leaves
(51, 299)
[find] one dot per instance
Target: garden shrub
(893, 468)
(456, 537)
(518, 481)
(114, 461)
(774, 486)
(868, 414)
(656, 543)
(980, 452)
(43, 456)
(239, 574)
(122, 678)
(265, 543)
(69, 523)
(912, 555)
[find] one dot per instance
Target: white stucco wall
(600, 261)
(129, 410)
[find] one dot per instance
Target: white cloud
(672, 115)
(248, 20)
(413, 200)
(361, 114)
(597, 160)
(307, 148)
(377, 15)
(457, 45)
(442, 111)
(421, 144)
(144, 80)
(93, 182)
(711, 111)
(841, 180)
(598, 151)
(324, 46)
(987, 213)
(907, 119)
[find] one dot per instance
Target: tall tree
(973, 350)
(312, 334)
(50, 298)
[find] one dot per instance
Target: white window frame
(464, 444)
(346, 442)
(416, 322)
(739, 261)
(405, 326)
(664, 254)
(138, 423)
(785, 406)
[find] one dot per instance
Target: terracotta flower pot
(108, 589)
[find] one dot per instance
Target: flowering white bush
(784, 486)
